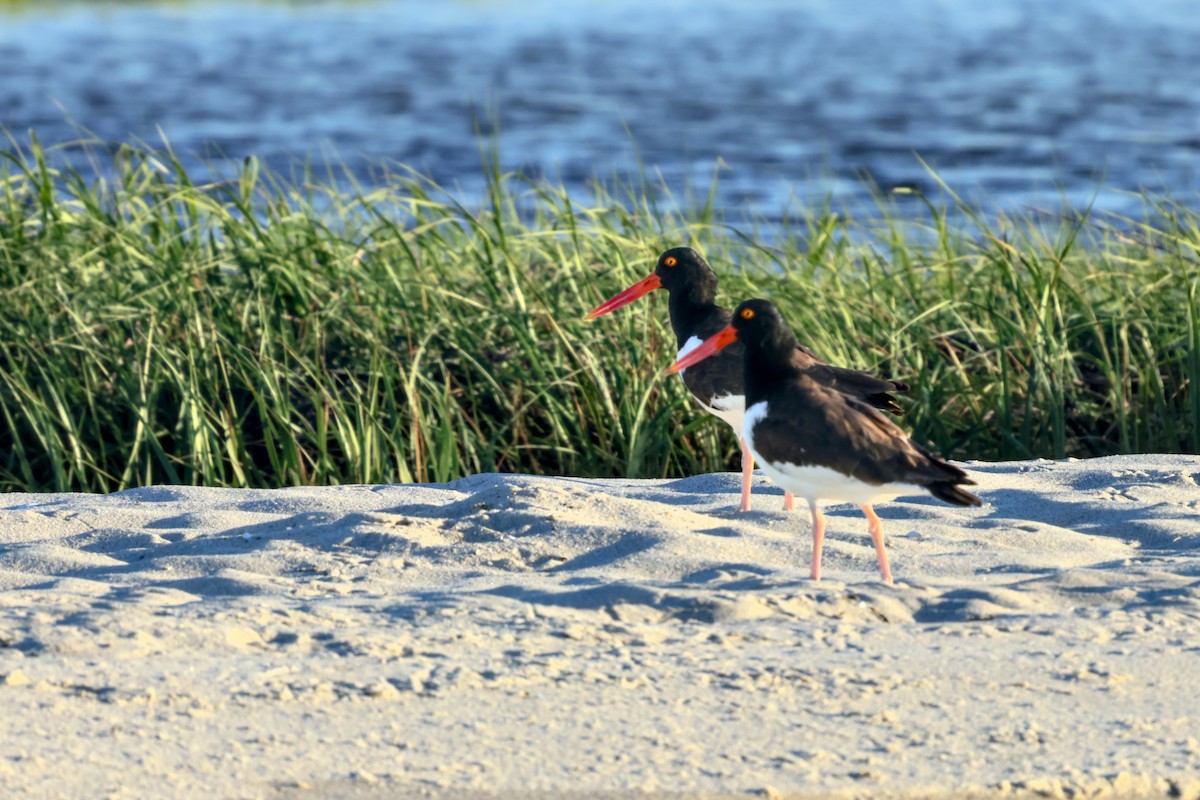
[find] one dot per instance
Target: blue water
(1014, 102)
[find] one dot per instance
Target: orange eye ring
(670, 261)
(747, 313)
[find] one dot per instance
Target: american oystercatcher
(716, 384)
(816, 442)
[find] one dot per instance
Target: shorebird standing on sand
(716, 384)
(818, 443)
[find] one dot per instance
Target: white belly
(731, 408)
(814, 482)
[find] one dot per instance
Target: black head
(682, 268)
(681, 271)
(760, 326)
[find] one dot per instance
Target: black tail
(953, 493)
(885, 402)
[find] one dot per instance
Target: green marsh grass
(257, 332)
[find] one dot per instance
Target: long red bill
(718, 341)
(644, 286)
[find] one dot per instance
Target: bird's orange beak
(644, 286)
(718, 341)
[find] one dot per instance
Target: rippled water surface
(1010, 100)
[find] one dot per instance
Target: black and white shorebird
(816, 442)
(716, 384)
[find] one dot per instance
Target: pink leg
(876, 529)
(747, 474)
(789, 502)
(818, 525)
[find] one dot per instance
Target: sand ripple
(621, 635)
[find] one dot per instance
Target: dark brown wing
(820, 426)
(855, 382)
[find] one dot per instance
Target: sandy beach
(517, 636)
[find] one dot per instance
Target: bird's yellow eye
(670, 261)
(747, 313)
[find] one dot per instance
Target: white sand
(504, 635)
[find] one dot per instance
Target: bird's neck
(767, 364)
(690, 308)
